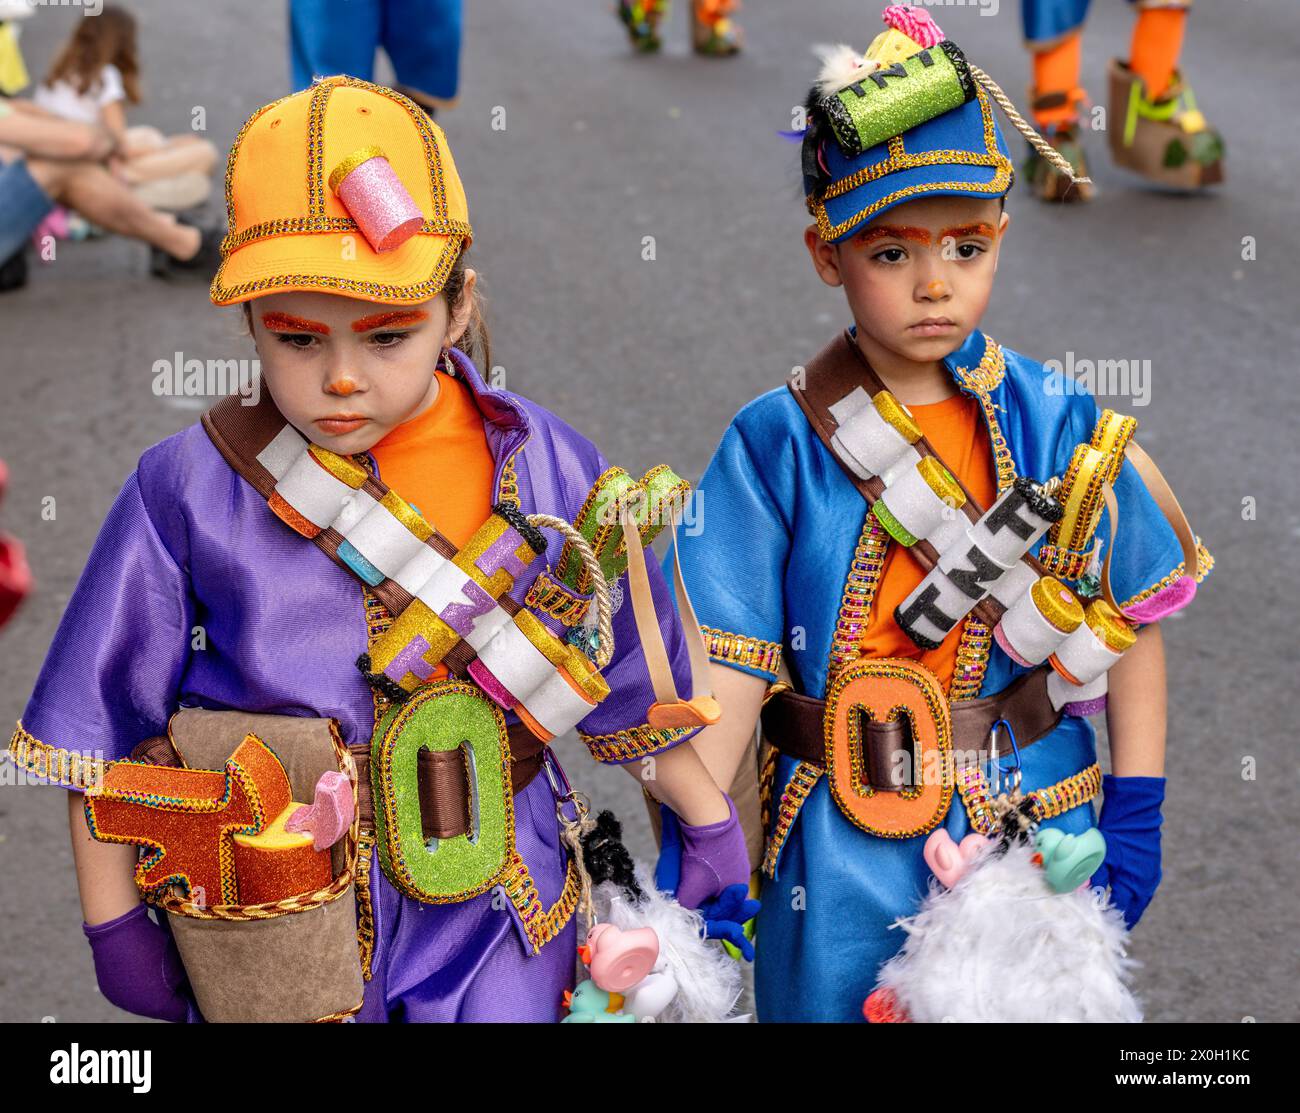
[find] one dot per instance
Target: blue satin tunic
(780, 522)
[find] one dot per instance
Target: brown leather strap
(444, 782)
(832, 374)
(240, 432)
(793, 724)
(443, 778)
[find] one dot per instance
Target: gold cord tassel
(1041, 145)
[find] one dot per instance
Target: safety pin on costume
(826, 495)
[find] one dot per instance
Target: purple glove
(713, 857)
(138, 967)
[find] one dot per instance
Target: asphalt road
(652, 357)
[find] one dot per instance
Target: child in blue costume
(793, 577)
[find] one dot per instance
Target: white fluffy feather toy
(647, 955)
(1010, 934)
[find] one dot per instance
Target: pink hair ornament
(369, 188)
(914, 22)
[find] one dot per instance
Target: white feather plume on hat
(841, 67)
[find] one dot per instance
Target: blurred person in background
(1154, 126)
(94, 77)
(713, 32)
(420, 37)
(46, 161)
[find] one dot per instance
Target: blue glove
(1130, 820)
(668, 870)
(726, 915)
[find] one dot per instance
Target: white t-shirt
(64, 100)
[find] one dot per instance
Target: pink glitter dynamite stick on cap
(375, 198)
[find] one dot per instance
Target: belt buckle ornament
(445, 715)
(881, 690)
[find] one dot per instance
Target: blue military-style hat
(912, 117)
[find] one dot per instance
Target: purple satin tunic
(189, 544)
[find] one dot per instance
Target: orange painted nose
(936, 289)
(343, 387)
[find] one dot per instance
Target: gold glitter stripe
(54, 763)
(1111, 434)
(1204, 562)
(541, 926)
(738, 649)
(355, 159)
(899, 160)
(1081, 493)
(802, 780)
(625, 745)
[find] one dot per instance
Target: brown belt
(444, 782)
(443, 777)
(793, 724)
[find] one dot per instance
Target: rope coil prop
(172, 901)
(599, 585)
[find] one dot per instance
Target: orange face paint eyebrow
(979, 229)
(894, 232)
(287, 322)
(394, 317)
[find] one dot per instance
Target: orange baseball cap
(289, 231)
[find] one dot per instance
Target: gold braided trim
(365, 904)
(1065, 564)
(1068, 794)
(181, 905)
(339, 1018)
(302, 226)
(230, 161)
(508, 489)
(988, 374)
(635, 742)
(420, 291)
(54, 763)
(737, 649)
(1204, 562)
(859, 593)
(540, 925)
(802, 780)
(899, 160)
(972, 660)
(557, 600)
(766, 777)
(1048, 803)
(316, 148)
(377, 291)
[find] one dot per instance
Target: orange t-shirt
(956, 429)
(439, 461)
